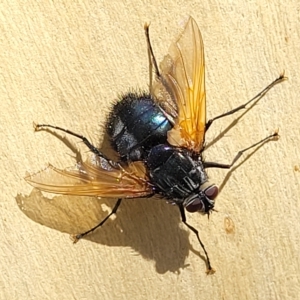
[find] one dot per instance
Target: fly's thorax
(179, 177)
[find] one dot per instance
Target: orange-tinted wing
(94, 179)
(182, 81)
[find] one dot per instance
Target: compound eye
(211, 192)
(195, 205)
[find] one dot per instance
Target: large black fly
(159, 137)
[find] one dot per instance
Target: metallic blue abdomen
(135, 125)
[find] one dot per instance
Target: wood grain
(65, 64)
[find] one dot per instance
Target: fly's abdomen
(135, 125)
(174, 172)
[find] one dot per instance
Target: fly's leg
(239, 154)
(210, 270)
(92, 148)
(153, 63)
(96, 151)
(280, 79)
(79, 236)
(151, 57)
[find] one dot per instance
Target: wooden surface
(64, 64)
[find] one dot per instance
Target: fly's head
(202, 201)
